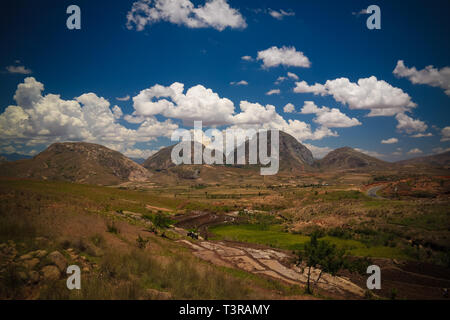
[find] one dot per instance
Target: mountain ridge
(292, 155)
(81, 162)
(349, 158)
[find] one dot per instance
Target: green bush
(161, 220)
(340, 232)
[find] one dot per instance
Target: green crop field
(274, 236)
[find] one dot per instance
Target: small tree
(161, 221)
(322, 255)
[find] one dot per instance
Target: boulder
(50, 273)
(34, 276)
(40, 253)
(26, 256)
(31, 263)
(59, 260)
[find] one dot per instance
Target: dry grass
(124, 271)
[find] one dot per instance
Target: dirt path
(157, 208)
(256, 259)
(372, 192)
(272, 263)
(202, 220)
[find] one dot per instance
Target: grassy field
(271, 236)
(70, 216)
(274, 236)
(106, 197)
(281, 216)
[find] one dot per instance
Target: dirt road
(372, 192)
(271, 263)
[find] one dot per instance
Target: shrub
(393, 294)
(112, 228)
(358, 265)
(340, 233)
(323, 255)
(141, 242)
(161, 220)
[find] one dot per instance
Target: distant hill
(162, 159)
(14, 156)
(293, 155)
(437, 160)
(77, 162)
(348, 158)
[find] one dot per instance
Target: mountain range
(95, 164)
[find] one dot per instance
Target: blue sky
(110, 58)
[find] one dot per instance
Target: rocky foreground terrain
(32, 268)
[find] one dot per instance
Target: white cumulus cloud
(285, 56)
(410, 125)
(215, 14)
(39, 119)
(415, 151)
(429, 75)
(256, 115)
(330, 118)
(445, 134)
(367, 94)
(198, 103)
(289, 108)
(389, 141)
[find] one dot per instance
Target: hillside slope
(348, 158)
(437, 160)
(293, 155)
(77, 162)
